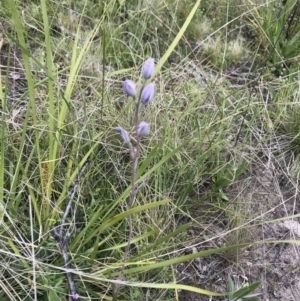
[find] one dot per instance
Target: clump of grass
(60, 143)
(238, 235)
(202, 29)
(204, 135)
(292, 128)
(236, 50)
(223, 54)
(277, 27)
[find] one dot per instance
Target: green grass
(204, 139)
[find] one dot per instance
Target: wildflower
(148, 68)
(124, 134)
(148, 93)
(129, 88)
(143, 129)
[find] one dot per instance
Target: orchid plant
(142, 129)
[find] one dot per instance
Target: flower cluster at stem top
(145, 97)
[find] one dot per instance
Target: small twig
(62, 236)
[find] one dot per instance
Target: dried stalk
(62, 235)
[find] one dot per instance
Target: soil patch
(264, 197)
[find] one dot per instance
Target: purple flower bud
(148, 93)
(129, 88)
(76, 296)
(143, 129)
(124, 134)
(148, 68)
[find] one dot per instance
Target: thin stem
(72, 196)
(62, 236)
(134, 190)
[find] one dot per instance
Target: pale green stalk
(3, 141)
(32, 106)
(51, 120)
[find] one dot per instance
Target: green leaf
(164, 239)
(241, 168)
(222, 182)
(177, 38)
(245, 291)
(230, 288)
(177, 260)
(52, 295)
(112, 221)
(134, 240)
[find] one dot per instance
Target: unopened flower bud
(124, 134)
(129, 88)
(148, 93)
(148, 68)
(143, 129)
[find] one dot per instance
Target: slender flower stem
(134, 190)
(141, 129)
